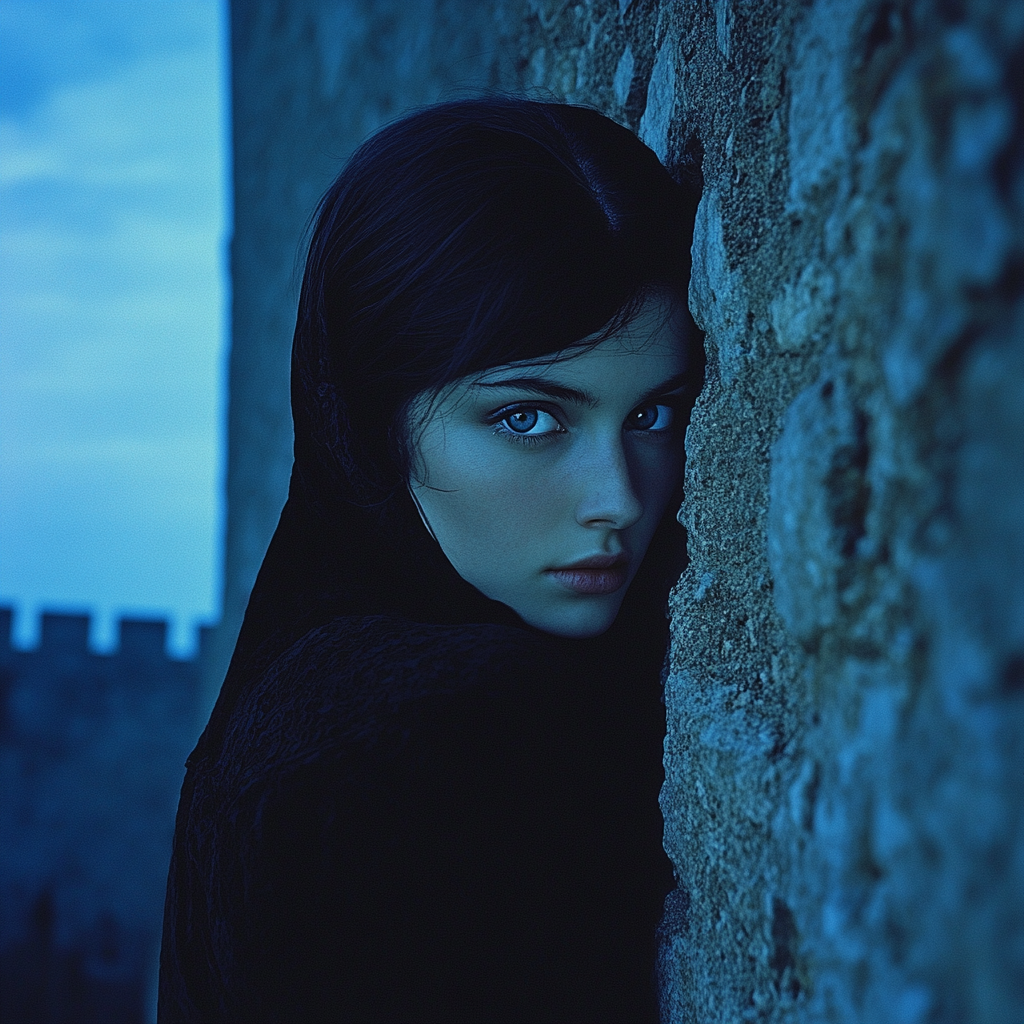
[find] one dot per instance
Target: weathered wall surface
(844, 758)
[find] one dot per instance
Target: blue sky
(113, 309)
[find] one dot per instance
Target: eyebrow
(565, 393)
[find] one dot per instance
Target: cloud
(112, 302)
(51, 43)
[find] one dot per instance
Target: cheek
(489, 502)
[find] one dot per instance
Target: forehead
(654, 342)
(654, 347)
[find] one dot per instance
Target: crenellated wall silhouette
(92, 751)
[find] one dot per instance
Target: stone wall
(844, 756)
(91, 754)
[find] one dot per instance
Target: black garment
(427, 824)
(408, 805)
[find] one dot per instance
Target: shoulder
(401, 658)
(343, 689)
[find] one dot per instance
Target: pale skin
(515, 480)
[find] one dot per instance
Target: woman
(428, 790)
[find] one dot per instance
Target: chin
(577, 623)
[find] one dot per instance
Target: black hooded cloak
(409, 805)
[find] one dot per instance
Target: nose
(607, 494)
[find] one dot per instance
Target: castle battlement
(66, 634)
(94, 749)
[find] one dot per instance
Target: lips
(597, 575)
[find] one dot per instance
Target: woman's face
(544, 484)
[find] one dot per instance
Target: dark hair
(464, 236)
(467, 235)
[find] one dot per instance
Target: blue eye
(526, 424)
(522, 421)
(652, 418)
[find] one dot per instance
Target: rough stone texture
(844, 786)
